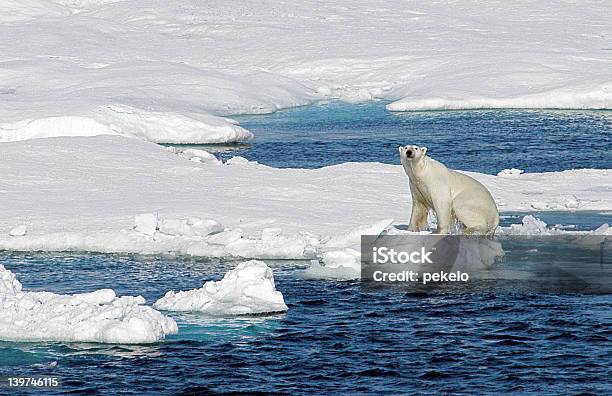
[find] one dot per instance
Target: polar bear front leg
(443, 208)
(420, 211)
(418, 216)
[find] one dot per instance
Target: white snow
(200, 156)
(99, 316)
(238, 160)
(193, 226)
(593, 96)
(83, 193)
(146, 223)
(171, 71)
(353, 237)
(247, 289)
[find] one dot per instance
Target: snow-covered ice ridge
(247, 289)
(170, 71)
(98, 316)
(116, 194)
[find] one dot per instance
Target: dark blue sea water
(484, 141)
(336, 338)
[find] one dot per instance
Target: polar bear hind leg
(469, 213)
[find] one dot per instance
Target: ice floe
(99, 184)
(247, 289)
(99, 316)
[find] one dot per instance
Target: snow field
(171, 71)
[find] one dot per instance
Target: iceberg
(247, 289)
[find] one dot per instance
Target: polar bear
(449, 193)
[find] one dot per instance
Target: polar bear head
(412, 153)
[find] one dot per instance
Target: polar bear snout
(412, 152)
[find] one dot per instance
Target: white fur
(449, 193)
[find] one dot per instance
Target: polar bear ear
(424, 150)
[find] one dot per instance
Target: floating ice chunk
(348, 258)
(530, 226)
(146, 223)
(353, 237)
(247, 289)
(513, 172)
(318, 271)
(340, 264)
(99, 316)
(20, 230)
